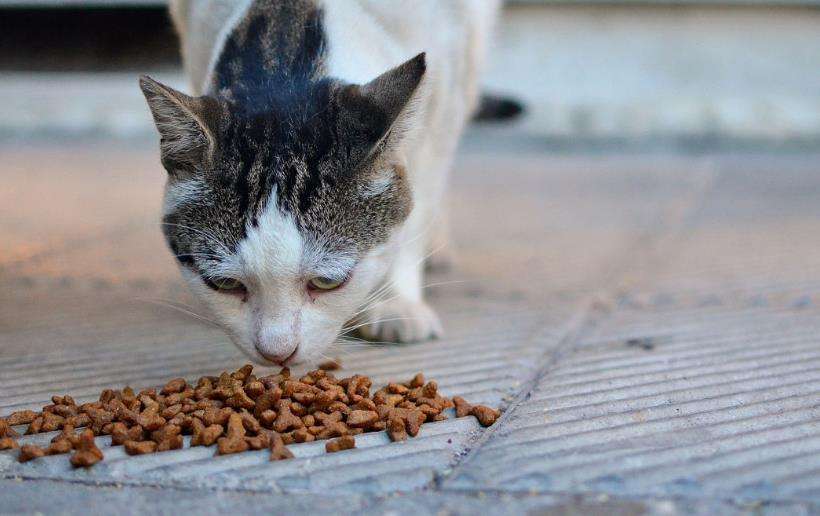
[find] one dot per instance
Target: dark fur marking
(285, 127)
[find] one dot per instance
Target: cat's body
(284, 171)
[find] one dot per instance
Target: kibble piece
(417, 381)
(485, 415)
(286, 420)
(87, 453)
(303, 436)
(205, 436)
(413, 422)
(234, 441)
(345, 442)
(175, 385)
(119, 434)
(396, 429)
(21, 417)
(362, 418)
(29, 452)
(171, 443)
(7, 443)
(463, 408)
(35, 426)
(140, 447)
(6, 430)
(59, 447)
(278, 451)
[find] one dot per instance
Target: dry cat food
(237, 412)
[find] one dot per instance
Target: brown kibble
(463, 408)
(119, 434)
(165, 433)
(7, 443)
(258, 442)
(286, 420)
(302, 435)
(362, 418)
(214, 416)
(35, 426)
(430, 389)
(485, 415)
(234, 441)
(21, 417)
(237, 412)
(150, 419)
(6, 430)
(278, 451)
(172, 443)
(396, 429)
(87, 453)
(274, 380)
(205, 436)
(59, 447)
(140, 447)
(345, 442)
(250, 423)
(397, 388)
(29, 452)
(254, 389)
(267, 401)
(243, 372)
(413, 422)
(267, 418)
(171, 411)
(227, 446)
(174, 386)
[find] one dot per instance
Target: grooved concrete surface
(648, 322)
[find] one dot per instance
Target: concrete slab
(648, 322)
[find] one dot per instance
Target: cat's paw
(399, 320)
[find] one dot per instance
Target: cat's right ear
(185, 125)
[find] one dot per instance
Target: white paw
(399, 320)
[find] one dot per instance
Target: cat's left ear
(185, 124)
(382, 110)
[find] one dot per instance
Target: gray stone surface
(648, 322)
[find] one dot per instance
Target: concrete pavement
(649, 323)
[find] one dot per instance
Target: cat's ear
(384, 108)
(185, 125)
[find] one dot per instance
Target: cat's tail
(493, 108)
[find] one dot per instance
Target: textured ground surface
(649, 323)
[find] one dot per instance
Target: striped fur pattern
(284, 168)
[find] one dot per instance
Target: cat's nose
(276, 346)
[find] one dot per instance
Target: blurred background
(690, 73)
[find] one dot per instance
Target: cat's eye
(231, 285)
(322, 283)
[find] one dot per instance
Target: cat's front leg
(399, 313)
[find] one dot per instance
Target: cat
(307, 171)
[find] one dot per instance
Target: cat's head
(283, 210)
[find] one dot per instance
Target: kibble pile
(237, 412)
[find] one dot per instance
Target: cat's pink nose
(278, 347)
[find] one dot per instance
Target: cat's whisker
(169, 304)
(379, 321)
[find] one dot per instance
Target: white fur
(364, 39)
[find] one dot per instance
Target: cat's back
(362, 37)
